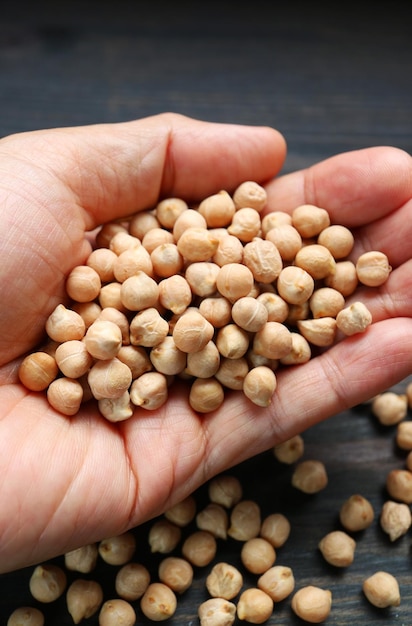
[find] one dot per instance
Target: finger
(114, 170)
(355, 187)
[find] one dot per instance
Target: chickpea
(110, 296)
(38, 370)
(404, 435)
(183, 512)
(356, 513)
(276, 306)
(245, 520)
(82, 559)
(224, 581)
(344, 279)
(316, 260)
(225, 490)
(117, 611)
(149, 391)
(326, 302)
(167, 358)
(164, 536)
(83, 284)
(203, 363)
(382, 590)
(399, 485)
(229, 250)
(116, 409)
(338, 239)
(206, 395)
(254, 606)
(310, 476)
(395, 519)
(250, 194)
(26, 616)
(115, 316)
(295, 285)
(234, 281)
(275, 529)
(249, 313)
(65, 395)
(232, 341)
(390, 408)
(372, 268)
(259, 385)
(213, 518)
(245, 224)
(142, 223)
(176, 573)
(131, 261)
(199, 548)
(64, 324)
(312, 604)
(103, 339)
(257, 555)
(175, 294)
(156, 237)
(290, 450)
(218, 209)
(217, 310)
(286, 239)
(102, 260)
(88, 311)
(338, 548)
(310, 220)
(300, 352)
(217, 612)
(278, 582)
(47, 582)
(262, 257)
(168, 210)
(109, 378)
(192, 332)
(319, 332)
(273, 340)
(119, 549)
(197, 244)
(131, 581)
(274, 219)
(166, 260)
(83, 599)
(122, 240)
(139, 291)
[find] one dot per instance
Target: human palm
(68, 481)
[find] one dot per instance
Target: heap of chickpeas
(219, 295)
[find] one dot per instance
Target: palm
(89, 478)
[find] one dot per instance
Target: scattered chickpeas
(82, 559)
(257, 555)
(119, 549)
(310, 476)
(38, 370)
(399, 485)
(338, 548)
(131, 581)
(372, 268)
(312, 604)
(390, 408)
(278, 582)
(356, 513)
(404, 435)
(199, 548)
(213, 518)
(158, 602)
(176, 573)
(382, 590)
(183, 512)
(164, 536)
(245, 520)
(275, 528)
(226, 490)
(290, 450)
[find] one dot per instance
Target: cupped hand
(69, 481)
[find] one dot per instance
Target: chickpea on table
(57, 186)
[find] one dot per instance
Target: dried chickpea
(139, 291)
(122, 240)
(310, 220)
(254, 606)
(310, 476)
(319, 332)
(131, 261)
(148, 328)
(275, 529)
(199, 548)
(245, 224)
(399, 485)
(168, 210)
(192, 332)
(354, 318)
(166, 260)
(290, 451)
(257, 555)
(136, 358)
(356, 513)
(115, 316)
(250, 194)
(312, 604)
(395, 519)
(82, 559)
(295, 285)
(224, 581)
(217, 310)
(176, 573)
(276, 306)
(278, 582)
(286, 239)
(64, 324)
(156, 237)
(217, 209)
(142, 223)
(326, 302)
(382, 590)
(300, 352)
(344, 279)
(175, 294)
(245, 520)
(26, 616)
(167, 358)
(47, 582)
(88, 311)
(131, 581)
(249, 313)
(260, 384)
(231, 372)
(83, 599)
(197, 244)
(107, 232)
(213, 518)
(117, 611)
(183, 512)
(404, 435)
(110, 296)
(316, 260)
(338, 239)
(65, 395)
(149, 391)
(232, 341)
(262, 257)
(103, 339)
(38, 370)
(205, 362)
(338, 548)
(164, 536)
(109, 378)
(372, 268)
(274, 219)
(225, 490)
(206, 395)
(116, 409)
(234, 281)
(83, 284)
(102, 260)
(217, 612)
(119, 549)
(273, 340)
(229, 250)
(390, 408)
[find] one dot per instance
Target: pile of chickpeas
(219, 295)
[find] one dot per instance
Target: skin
(69, 481)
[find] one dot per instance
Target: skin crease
(69, 481)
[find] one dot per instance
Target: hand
(69, 481)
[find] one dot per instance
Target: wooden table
(330, 82)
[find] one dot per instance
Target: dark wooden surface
(331, 82)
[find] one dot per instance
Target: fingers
(114, 170)
(354, 187)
